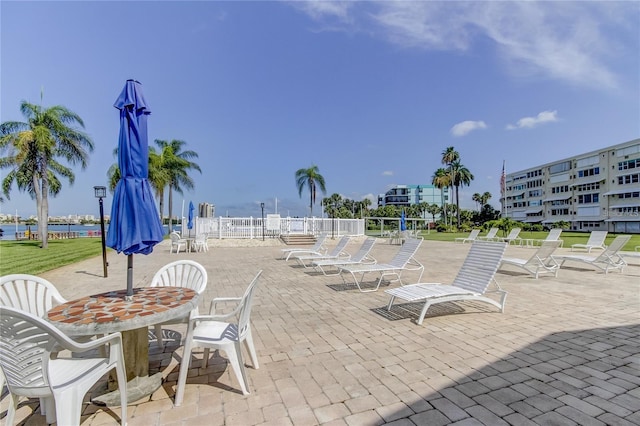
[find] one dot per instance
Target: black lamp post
(262, 208)
(100, 193)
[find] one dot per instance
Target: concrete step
(298, 239)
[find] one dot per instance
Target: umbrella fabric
(135, 223)
(190, 219)
(403, 222)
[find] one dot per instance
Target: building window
(629, 164)
(627, 179)
(588, 198)
(589, 172)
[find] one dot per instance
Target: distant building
(206, 210)
(598, 190)
(406, 195)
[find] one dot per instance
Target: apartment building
(406, 195)
(598, 190)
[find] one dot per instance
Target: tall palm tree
(441, 180)
(175, 164)
(35, 148)
(461, 177)
(449, 155)
(312, 179)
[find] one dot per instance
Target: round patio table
(109, 312)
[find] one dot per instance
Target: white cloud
(465, 127)
(387, 173)
(530, 122)
(568, 41)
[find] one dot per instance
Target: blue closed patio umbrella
(135, 223)
(190, 217)
(403, 222)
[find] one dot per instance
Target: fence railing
(254, 227)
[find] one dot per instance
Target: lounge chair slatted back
(476, 274)
(609, 259)
(554, 234)
(596, 240)
(318, 247)
(479, 267)
(406, 252)
(473, 235)
(402, 261)
(337, 252)
(513, 236)
(540, 262)
(361, 256)
(490, 235)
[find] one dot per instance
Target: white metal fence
(273, 226)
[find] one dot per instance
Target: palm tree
(461, 177)
(478, 199)
(433, 210)
(484, 198)
(310, 178)
(34, 149)
(175, 164)
(441, 180)
(449, 155)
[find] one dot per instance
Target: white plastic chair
(338, 252)
(609, 259)
(177, 242)
(473, 235)
(28, 293)
(200, 243)
(596, 240)
(181, 273)
(541, 262)
(491, 235)
(213, 332)
(26, 342)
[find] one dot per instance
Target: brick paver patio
(564, 352)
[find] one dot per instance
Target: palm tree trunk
(161, 196)
(458, 205)
(171, 210)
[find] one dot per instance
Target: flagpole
(503, 189)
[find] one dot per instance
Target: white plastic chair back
(554, 234)
(181, 273)
(246, 304)
(480, 266)
(29, 293)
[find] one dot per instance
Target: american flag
(503, 181)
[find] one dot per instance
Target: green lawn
(26, 257)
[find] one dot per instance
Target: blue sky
(370, 92)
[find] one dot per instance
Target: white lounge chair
(540, 263)
(404, 260)
(553, 235)
(60, 381)
(473, 235)
(491, 235)
(338, 252)
(361, 257)
(214, 332)
(471, 283)
(512, 237)
(596, 240)
(609, 259)
(181, 273)
(318, 247)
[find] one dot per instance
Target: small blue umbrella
(403, 222)
(190, 218)
(135, 223)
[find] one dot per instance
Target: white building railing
(252, 227)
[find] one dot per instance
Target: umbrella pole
(129, 296)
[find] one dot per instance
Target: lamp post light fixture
(100, 193)
(262, 208)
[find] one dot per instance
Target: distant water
(9, 230)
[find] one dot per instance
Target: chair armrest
(212, 308)
(74, 346)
